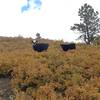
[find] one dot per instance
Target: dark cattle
(40, 47)
(67, 47)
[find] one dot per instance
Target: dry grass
(51, 75)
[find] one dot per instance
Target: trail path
(5, 89)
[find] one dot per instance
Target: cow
(68, 46)
(34, 41)
(40, 47)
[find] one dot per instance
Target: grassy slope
(55, 74)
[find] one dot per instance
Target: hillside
(50, 75)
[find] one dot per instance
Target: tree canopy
(89, 25)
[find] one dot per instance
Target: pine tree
(89, 25)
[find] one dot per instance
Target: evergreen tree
(89, 25)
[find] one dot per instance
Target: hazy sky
(51, 18)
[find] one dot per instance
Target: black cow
(40, 47)
(69, 46)
(34, 41)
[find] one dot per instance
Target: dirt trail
(5, 89)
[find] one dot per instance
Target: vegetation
(38, 38)
(89, 25)
(97, 41)
(51, 75)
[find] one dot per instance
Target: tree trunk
(87, 35)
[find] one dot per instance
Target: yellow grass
(51, 75)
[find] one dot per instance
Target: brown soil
(6, 92)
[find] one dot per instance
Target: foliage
(51, 75)
(89, 23)
(97, 41)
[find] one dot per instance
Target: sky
(51, 18)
